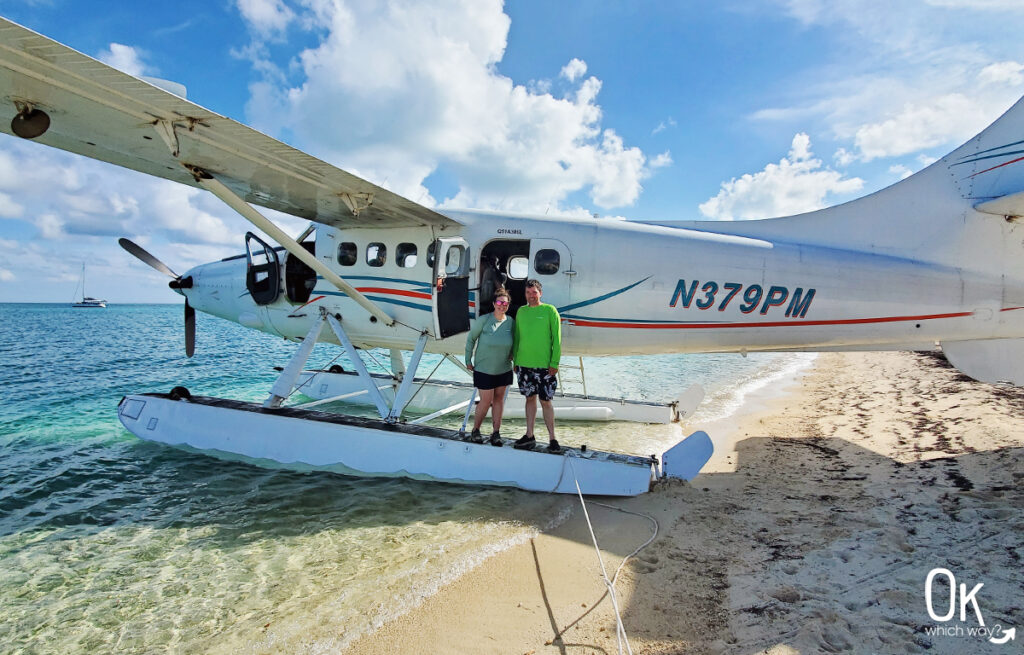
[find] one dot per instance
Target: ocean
(112, 544)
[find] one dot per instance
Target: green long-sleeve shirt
(492, 343)
(538, 337)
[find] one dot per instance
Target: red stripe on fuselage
(1012, 161)
(711, 326)
(394, 292)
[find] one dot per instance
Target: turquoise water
(109, 543)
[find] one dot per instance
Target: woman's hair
(501, 293)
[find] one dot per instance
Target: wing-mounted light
(30, 122)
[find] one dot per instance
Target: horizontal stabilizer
(685, 459)
(1011, 205)
(988, 360)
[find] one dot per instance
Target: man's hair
(534, 283)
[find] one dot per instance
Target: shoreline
(843, 488)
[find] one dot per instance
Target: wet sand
(814, 531)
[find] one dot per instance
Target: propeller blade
(190, 330)
(145, 257)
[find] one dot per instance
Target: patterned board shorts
(537, 381)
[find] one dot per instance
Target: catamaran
(86, 301)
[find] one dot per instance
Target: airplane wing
(100, 112)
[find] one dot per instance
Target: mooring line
(609, 584)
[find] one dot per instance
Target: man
(537, 351)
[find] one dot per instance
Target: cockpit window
(347, 254)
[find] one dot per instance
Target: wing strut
(218, 189)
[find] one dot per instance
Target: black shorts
(537, 382)
(486, 381)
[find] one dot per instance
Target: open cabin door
(450, 297)
(263, 271)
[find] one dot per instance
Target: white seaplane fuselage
(626, 288)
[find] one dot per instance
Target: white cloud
(9, 208)
(574, 70)
(900, 171)
(843, 157)
(124, 58)
(1002, 72)
(662, 160)
(902, 77)
(62, 194)
(921, 126)
(394, 90)
(50, 226)
(266, 16)
(664, 125)
(795, 185)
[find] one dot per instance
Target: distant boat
(87, 301)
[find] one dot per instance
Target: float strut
(402, 395)
(357, 362)
(286, 381)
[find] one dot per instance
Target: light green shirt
(492, 342)
(538, 337)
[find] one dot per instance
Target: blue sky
(646, 110)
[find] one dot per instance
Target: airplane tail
(964, 212)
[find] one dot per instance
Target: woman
(489, 356)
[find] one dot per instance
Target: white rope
(620, 631)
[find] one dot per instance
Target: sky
(710, 110)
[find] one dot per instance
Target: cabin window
(518, 268)
(406, 255)
(376, 254)
(431, 254)
(347, 254)
(453, 260)
(546, 261)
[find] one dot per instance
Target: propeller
(143, 255)
(178, 282)
(190, 329)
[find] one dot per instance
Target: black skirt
(486, 381)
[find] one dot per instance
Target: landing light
(30, 122)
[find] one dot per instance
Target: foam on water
(108, 543)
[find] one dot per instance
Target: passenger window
(376, 254)
(406, 255)
(347, 254)
(518, 268)
(431, 254)
(546, 261)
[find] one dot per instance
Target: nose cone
(217, 288)
(184, 282)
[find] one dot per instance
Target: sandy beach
(813, 531)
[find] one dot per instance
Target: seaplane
(932, 261)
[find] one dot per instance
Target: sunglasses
(501, 302)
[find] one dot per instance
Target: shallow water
(111, 543)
